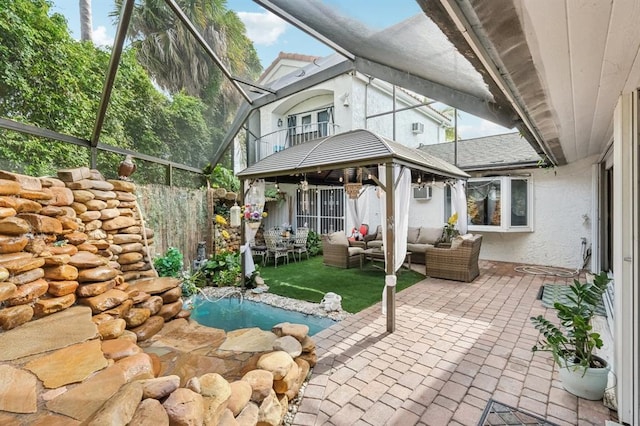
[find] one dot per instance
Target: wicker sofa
(418, 240)
(459, 262)
(336, 251)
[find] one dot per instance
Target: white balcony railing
(285, 138)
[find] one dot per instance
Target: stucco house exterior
(345, 102)
(519, 204)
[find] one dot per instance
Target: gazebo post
(390, 246)
(243, 237)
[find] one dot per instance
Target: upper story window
(501, 204)
(309, 125)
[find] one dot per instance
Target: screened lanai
(176, 83)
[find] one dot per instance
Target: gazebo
(337, 159)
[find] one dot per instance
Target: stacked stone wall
(79, 239)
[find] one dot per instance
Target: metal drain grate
(499, 414)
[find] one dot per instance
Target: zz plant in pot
(573, 342)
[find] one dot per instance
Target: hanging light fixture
(235, 216)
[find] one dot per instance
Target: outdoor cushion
(375, 244)
(412, 234)
(456, 242)
(355, 251)
(418, 248)
(429, 235)
(379, 233)
(338, 238)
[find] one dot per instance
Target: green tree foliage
(52, 81)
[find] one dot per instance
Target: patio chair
(300, 243)
(459, 262)
(336, 251)
(275, 248)
(258, 250)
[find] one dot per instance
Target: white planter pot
(589, 384)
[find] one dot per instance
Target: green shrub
(314, 244)
(169, 265)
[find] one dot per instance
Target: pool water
(232, 314)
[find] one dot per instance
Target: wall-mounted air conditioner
(417, 128)
(422, 192)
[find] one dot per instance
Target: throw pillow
(429, 235)
(412, 235)
(338, 238)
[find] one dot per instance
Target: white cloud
(263, 28)
(101, 38)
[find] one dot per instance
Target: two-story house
(345, 102)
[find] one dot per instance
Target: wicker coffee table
(377, 255)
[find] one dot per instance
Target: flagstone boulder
(28, 292)
(9, 187)
(61, 273)
(42, 224)
(120, 408)
(278, 363)
(119, 348)
(240, 396)
(62, 288)
(270, 412)
(57, 260)
(17, 390)
(112, 329)
(50, 305)
(150, 328)
(249, 415)
(288, 344)
(136, 367)
(136, 317)
(68, 365)
(155, 285)
(7, 290)
(261, 382)
(184, 407)
(93, 393)
(95, 289)
(14, 226)
(299, 331)
(160, 387)
(12, 244)
(104, 301)
(150, 412)
(13, 316)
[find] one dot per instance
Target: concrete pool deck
(456, 346)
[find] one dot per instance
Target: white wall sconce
(279, 122)
(345, 100)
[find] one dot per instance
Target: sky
(271, 35)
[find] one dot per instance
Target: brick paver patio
(456, 345)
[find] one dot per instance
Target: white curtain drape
(358, 209)
(460, 205)
(254, 199)
(402, 185)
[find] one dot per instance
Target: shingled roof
(508, 150)
(356, 148)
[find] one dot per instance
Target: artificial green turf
(310, 279)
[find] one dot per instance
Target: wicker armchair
(459, 263)
(337, 252)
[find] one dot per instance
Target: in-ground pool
(230, 313)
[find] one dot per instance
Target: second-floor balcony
(285, 138)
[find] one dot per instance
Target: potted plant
(572, 343)
(449, 231)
